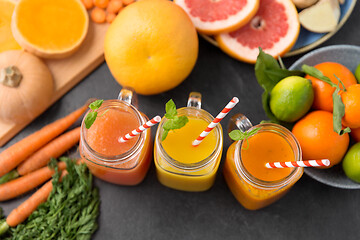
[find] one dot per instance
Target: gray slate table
(310, 210)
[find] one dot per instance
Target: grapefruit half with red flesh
(218, 16)
(275, 28)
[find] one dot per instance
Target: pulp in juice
(266, 147)
(198, 165)
(266, 185)
(125, 165)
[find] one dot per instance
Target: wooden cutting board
(68, 72)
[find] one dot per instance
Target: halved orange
(275, 28)
(218, 16)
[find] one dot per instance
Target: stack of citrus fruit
(241, 27)
(291, 99)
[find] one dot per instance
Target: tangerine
(351, 100)
(323, 91)
(317, 138)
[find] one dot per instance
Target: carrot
(53, 149)
(17, 153)
(26, 183)
(24, 210)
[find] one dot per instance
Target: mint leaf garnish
(91, 116)
(237, 135)
(96, 104)
(173, 121)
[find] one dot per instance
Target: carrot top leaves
(70, 211)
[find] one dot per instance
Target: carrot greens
(70, 212)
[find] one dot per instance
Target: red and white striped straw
(140, 129)
(308, 163)
(216, 121)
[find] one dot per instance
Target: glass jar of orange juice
(181, 166)
(252, 184)
(108, 159)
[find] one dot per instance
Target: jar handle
(194, 100)
(239, 121)
(129, 96)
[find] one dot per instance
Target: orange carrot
(28, 182)
(53, 149)
(17, 153)
(23, 211)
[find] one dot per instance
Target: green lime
(357, 73)
(351, 163)
(291, 98)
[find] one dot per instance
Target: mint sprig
(174, 121)
(91, 116)
(237, 135)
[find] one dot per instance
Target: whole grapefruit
(151, 46)
(317, 138)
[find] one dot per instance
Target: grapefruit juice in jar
(181, 166)
(108, 159)
(252, 184)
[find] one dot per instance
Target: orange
(151, 46)
(215, 17)
(275, 28)
(317, 138)
(7, 41)
(323, 91)
(351, 100)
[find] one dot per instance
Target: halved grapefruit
(275, 28)
(218, 16)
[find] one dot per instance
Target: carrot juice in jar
(107, 158)
(252, 184)
(181, 166)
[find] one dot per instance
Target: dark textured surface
(311, 210)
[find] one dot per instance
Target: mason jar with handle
(252, 184)
(181, 166)
(109, 159)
